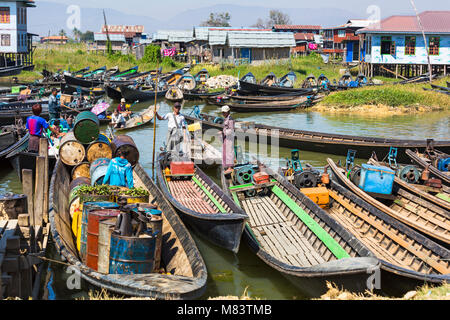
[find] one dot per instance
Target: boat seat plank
(187, 195)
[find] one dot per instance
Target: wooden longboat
(8, 137)
(113, 93)
(424, 163)
(253, 88)
(20, 144)
(270, 106)
(69, 89)
(288, 80)
(202, 76)
(440, 197)
(200, 95)
(186, 82)
(174, 94)
(405, 206)
(408, 259)
(142, 95)
(80, 82)
(204, 206)
(141, 119)
(325, 142)
(263, 98)
(292, 235)
(180, 255)
(204, 154)
(270, 80)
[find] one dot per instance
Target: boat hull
(134, 95)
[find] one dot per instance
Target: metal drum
(94, 219)
(156, 225)
(103, 138)
(98, 170)
(126, 143)
(98, 149)
(87, 208)
(131, 255)
(105, 229)
(74, 198)
(81, 170)
(71, 151)
(86, 127)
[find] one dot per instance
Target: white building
(15, 41)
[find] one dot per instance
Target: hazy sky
(169, 8)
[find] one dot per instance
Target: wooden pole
(43, 152)
(39, 191)
(424, 41)
(27, 186)
(154, 117)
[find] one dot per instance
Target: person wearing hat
(228, 136)
(176, 124)
(122, 108)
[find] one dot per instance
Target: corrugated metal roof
(112, 37)
(123, 29)
(217, 37)
(432, 21)
(296, 27)
(201, 33)
(257, 39)
(174, 35)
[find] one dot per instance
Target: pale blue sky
(169, 8)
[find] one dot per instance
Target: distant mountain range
(52, 17)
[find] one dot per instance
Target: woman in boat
(120, 172)
(228, 136)
(36, 126)
(117, 120)
(122, 108)
(176, 125)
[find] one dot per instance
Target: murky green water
(231, 274)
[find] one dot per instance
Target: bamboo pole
(154, 116)
(424, 40)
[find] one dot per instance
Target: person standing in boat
(36, 126)
(120, 172)
(176, 126)
(54, 109)
(228, 136)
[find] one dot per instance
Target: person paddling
(228, 136)
(176, 125)
(36, 126)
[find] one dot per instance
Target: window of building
(410, 46)
(6, 40)
(434, 46)
(5, 15)
(341, 33)
(388, 46)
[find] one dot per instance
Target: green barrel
(87, 127)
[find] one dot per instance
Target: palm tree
(62, 32)
(77, 34)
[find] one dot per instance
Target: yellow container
(195, 127)
(319, 195)
(76, 226)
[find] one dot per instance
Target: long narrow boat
(141, 119)
(125, 74)
(69, 89)
(408, 259)
(439, 197)
(8, 137)
(10, 71)
(203, 205)
(21, 144)
(79, 82)
(201, 95)
(142, 95)
(180, 255)
(323, 142)
(405, 206)
(288, 81)
(94, 73)
(174, 94)
(113, 93)
(270, 80)
(202, 76)
(270, 106)
(252, 88)
(288, 232)
(424, 163)
(263, 98)
(186, 82)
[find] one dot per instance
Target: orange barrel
(105, 229)
(71, 151)
(126, 143)
(99, 149)
(87, 208)
(95, 217)
(81, 170)
(98, 170)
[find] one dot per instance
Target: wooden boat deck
(385, 240)
(278, 235)
(190, 196)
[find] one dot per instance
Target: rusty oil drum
(99, 149)
(95, 217)
(87, 127)
(126, 143)
(71, 151)
(156, 225)
(105, 229)
(87, 208)
(81, 170)
(132, 255)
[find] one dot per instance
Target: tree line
(222, 19)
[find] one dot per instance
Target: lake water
(230, 274)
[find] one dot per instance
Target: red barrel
(126, 143)
(93, 232)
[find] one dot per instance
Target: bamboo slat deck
(385, 240)
(279, 236)
(188, 195)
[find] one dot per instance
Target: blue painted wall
(401, 58)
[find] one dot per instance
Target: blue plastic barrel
(87, 208)
(98, 170)
(132, 255)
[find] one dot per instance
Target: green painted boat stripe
(443, 197)
(242, 186)
(236, 200)
(210, 196)
(324, 236)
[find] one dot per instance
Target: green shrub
(152, 54)
(168, 62)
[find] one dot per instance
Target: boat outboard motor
(306, 179)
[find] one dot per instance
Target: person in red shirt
(122, 109)
(36, 126)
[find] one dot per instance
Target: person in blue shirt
(120, 172)
(54, 108)
(36, 126)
